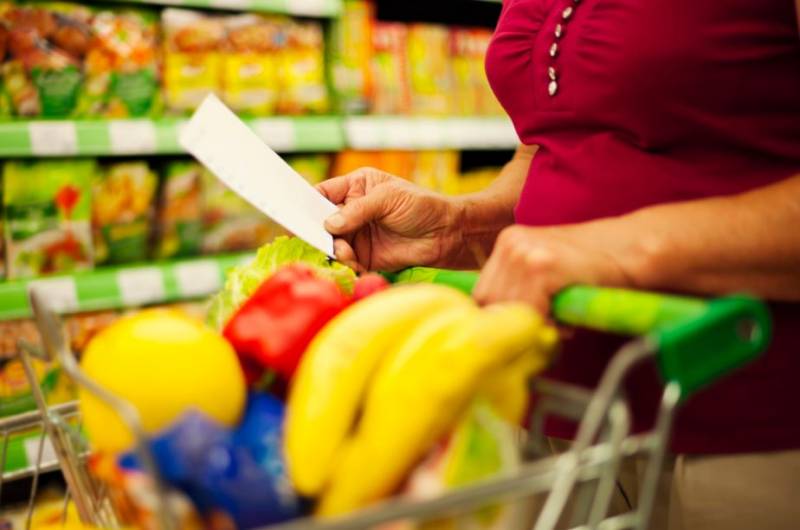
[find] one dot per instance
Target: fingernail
(335, 221)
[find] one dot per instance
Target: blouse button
(551, 73)
(552, 88)
(554, 49)
(559, 31)
(567, 13)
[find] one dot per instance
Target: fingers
(354, 184)
(336, 189)
(359, 212)
(346, 255)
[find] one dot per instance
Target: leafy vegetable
(243, 281)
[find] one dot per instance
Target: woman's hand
(387, 223)
(533, 264)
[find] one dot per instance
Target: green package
(47, 209)
(180, 214)
(122, 208)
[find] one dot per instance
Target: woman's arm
(748, 242)
(484, 214)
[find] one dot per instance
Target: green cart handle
(698, 341)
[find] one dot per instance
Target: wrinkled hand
(533, 264)
(387, 223)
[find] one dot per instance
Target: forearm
(748, 242)
(482, 215)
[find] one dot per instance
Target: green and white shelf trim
(306, 8)
(122, 287)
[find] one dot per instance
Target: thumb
(357, 213)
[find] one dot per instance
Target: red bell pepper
(274, 327)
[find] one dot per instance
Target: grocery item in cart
(47, 216)
(304, 88)
(229, 222)
(122, 208)
(193, 65)
(121, 64)
(164, 363)
(46, 47)
(251, 63)
(430, 69)
(349, 56)
(180, 218)
(390, 70)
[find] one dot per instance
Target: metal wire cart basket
(693, 343)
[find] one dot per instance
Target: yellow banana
(332, 378)
(419, 393)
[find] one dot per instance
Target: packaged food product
(47, 216)
(302, 70)
(121, 64)
(400, 163)
(348, 161)
(229, 222)
(47, 44)
(314, 168)
(250, 83)
(488, 103)
(466, 94)
(122, 209)
(438, 170)
(349, 55)
(180, 211)
(431, 77)
(192, 57)
(477, 180)
(390, 69)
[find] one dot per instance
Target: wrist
(475, 223)
(645, 251)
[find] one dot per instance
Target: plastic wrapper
(48, 216)
(122, 210)
(390, 74)
(349, 55)
(430, 71)
(302, 70)
(45, 49)
(251, 81)
(180, 215)
(121, 64)
(193, 64)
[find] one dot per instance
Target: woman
(661, 151)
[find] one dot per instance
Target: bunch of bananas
(391, 375)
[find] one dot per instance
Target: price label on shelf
(132, 137)
(61, 293)
(53, 138)
(140, 286)
(309, 7)
(198, 279)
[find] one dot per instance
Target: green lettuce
(243, 281)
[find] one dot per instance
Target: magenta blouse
(640, 102)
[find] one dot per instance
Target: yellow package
(250, 77)
(429, 61)
(438, 170)
(192, 57)
(302, 70)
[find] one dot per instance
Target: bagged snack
(229, 222)
(47, 44)
(390, 69)
(314, 168)
(250, 83)
(122, 208)
(47, 216)
(349, 56)
(429, 60)
(192, 57)
(180, 212)
(121, 65)
(302, 70)
(438, 170)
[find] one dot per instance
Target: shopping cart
(693, 342)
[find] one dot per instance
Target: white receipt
(237, 156)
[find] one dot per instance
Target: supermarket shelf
(143, 137)
(308, 8)
(122, 287)
(395, 132)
